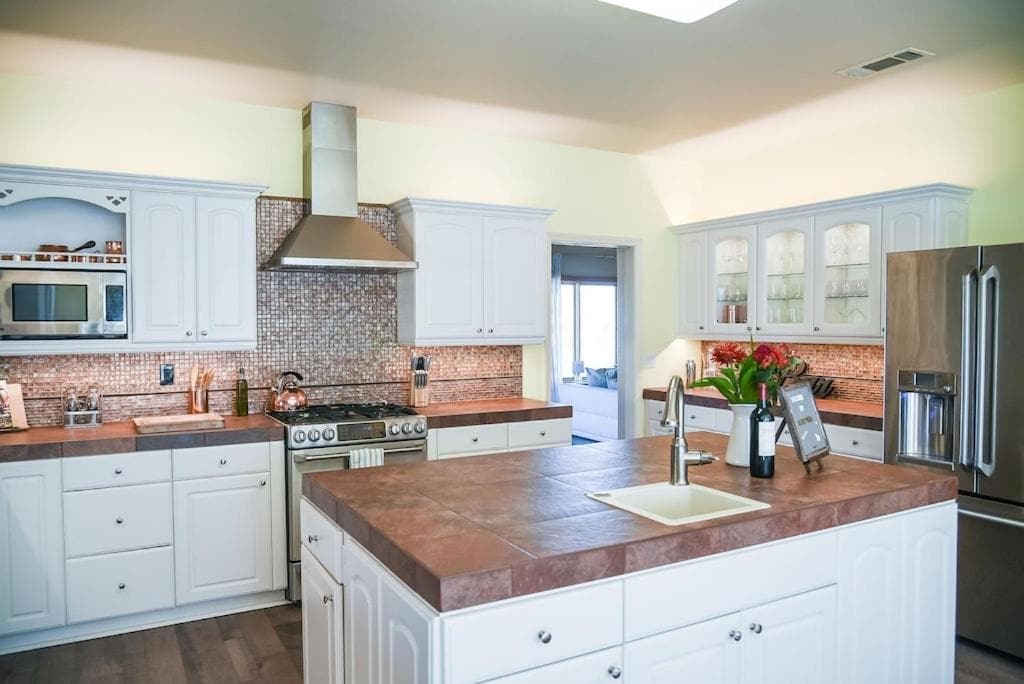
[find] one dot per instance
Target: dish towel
(365, 458)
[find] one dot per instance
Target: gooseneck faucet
(675, 417)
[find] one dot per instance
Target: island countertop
(464, 532)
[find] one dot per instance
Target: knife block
(419, 390)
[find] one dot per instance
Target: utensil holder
(419, 391)
(83, 419)
(199, 401)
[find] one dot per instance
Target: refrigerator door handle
(991, 518)
(988, 333)
(968, 336)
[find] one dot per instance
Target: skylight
(685, 11)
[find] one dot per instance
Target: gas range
(350, 424)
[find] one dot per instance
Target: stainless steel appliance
(322, 437)
(954, 398)
(40, 304)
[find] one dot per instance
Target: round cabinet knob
(188, 333)
(479, 330)
(421, 428)
(263, 483)
(328, 434)
(758, 328)
(313, 538)
(614, 672)
(693, 417)
(755, 628)
(749, 328)
(817, 329)
(314, 435)
(544, 636)
(119, 520)
(735, 634)
(490, 330)
(855, 442)
(299, 436)
(121, 585)
(223, 461)
(327, 599)
(204, 333)
(543, 433)
(475, 440)
(118, 471)
(700, 327)
(407, 428)
(394, 428)
(947, 388)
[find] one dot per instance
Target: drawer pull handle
(118, 471)
(313, 538)
(263, 483)
(121, 585)
(854, 442)
(475, 440)
(693, 417)
(735, 634)
(328, 598)
(119, 520)
(223, 461)
(615, 672)
(756, 628)
(544, 636)
(543, 433)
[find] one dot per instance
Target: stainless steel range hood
(332, 237)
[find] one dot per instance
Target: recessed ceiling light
(685, 11)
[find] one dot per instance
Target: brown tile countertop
(857, 414)
(469, 531)
(121, 437)
(486, 411)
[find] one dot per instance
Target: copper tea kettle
(288, 396)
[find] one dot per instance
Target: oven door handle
(300, 458)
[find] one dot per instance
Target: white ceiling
(573, 71)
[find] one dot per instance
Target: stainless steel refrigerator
(954, 399)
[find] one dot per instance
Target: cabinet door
(733, 270)
(405, 638)
(222, 537)
(226, 269)
(362, 616)
(784, 258)
(870, 567)
(906, 226)
(706, 652)
(450, 277)
(602, 667)
(928, 597)
(848, 267)
(162, 260)
(31, 546)
(517, 277)
(322, 644)
(791, 641)
(692, 316)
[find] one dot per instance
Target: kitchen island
(501, 568)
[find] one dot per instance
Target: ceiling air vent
(873, 66)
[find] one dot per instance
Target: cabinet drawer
(472, 439)
(655, 409)
(855, 441)
(117, 519)
(660, 600)
(655, 427)
(722, 420)
(700, 417)
(539, 433)
(120, 583)
(113, 470)
(531, 632)
(322, 537)
(603, 666)
(231, 459)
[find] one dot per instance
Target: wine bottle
(241, 394)
(762, 436)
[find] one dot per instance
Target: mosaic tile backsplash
(856, 369)
(337, 330)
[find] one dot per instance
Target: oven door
(52, 304)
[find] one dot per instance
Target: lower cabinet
(602, 667)
(222, 537)
(361, 580)
(474, 440)
(323, 648)
(120, 584)
(31, 546)
(405, 634)
(702, 653)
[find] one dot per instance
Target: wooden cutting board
(189, 421)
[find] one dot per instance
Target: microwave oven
(51, 304)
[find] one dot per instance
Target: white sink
(677, 505)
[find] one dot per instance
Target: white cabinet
(704, 652)
(120, 584)
(323, 650)
(691, 312)
(193, 268)
(474, 440)
(222, 537)
(405, 638)
(361, 580)
(483, 275)
(848, 272)
(31, 546)
(785, 252)
(732, 265)
(602, 667)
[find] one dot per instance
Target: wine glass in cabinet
(733, 273)
(784, 253)
(848, 274)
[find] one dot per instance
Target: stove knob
(314, 435)
(299, 436)
(421, 428)
(394, 429)
(328, 434)
(406, 428)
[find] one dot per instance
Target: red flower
(727, 353)
(764, 355)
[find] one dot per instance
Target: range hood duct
(332, 237)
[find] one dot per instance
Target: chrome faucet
(675, 417)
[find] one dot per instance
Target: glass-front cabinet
(733, 271)
(786, 281)
(848, 281)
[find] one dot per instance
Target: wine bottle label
(766, 439)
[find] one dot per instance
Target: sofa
(595, 410)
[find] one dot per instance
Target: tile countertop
(857, 414)
(121, 437)
(486, 411)
(468, 531)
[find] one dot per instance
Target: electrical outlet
(166, 373)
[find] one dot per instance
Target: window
(587, 325)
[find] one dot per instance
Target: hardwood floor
(266, 646)
(258, 646)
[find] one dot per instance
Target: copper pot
(288, 396)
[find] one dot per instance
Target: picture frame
(801, 417)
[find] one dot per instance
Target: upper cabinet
(483, 275)
(810, 273)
